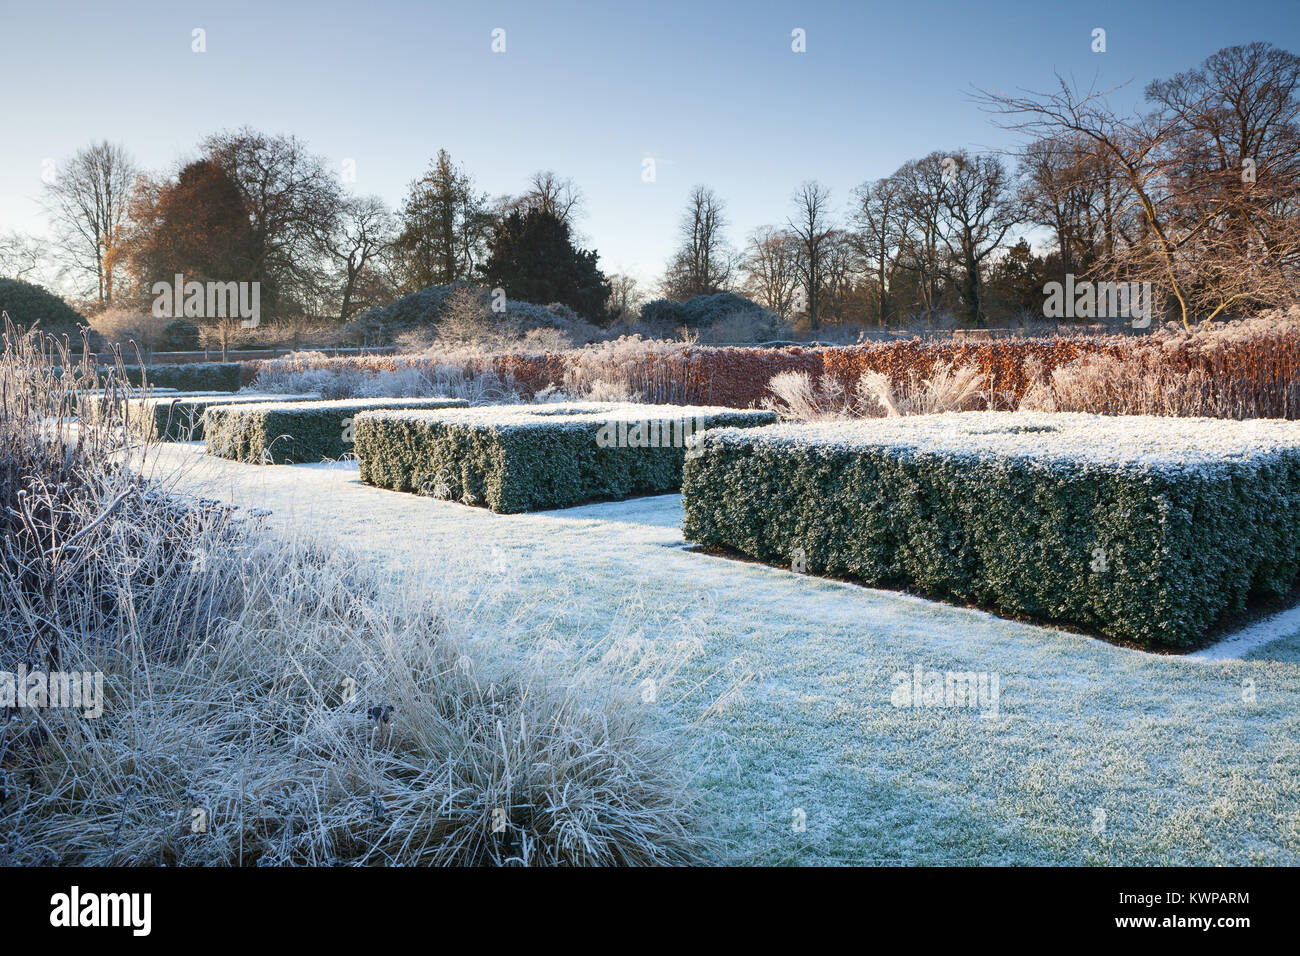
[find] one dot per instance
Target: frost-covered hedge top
(547, 414)
(295, 403)
(204, 398)
(1136, 441)
(134, 391)
(170, 393)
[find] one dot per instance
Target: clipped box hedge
(188, 377)
(530, 457)
(179, 417)
(92, 403)
(285, 433)
(1146, 530)
(135, 390)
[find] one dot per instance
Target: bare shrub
(545, 340)
(125, 327)
(466, 318)
(1125, 386)
(1247, 368)
(1223, 370)
(738, 328)
(417, 340)
(600, 390)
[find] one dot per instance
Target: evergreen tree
(444, 227)
(533, 258)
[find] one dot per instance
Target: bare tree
(558, 195)
(920, 248)
(1235, 160)
(811, 227)
(1066, 186)
(880, 220)
(361, 235)
(624, 297)
(843, 265)
(704, 261)
(87, 202)
(1056, 194)
(290, 198)
(20, 257)
(770, 267)
(548, 192)
(1202, 230)
(979, 208)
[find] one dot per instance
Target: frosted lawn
(1098, 755)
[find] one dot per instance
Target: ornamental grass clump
(264, 699)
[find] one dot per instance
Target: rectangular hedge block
(134, 391)
(91, 404)
(179, 417)
(1147, 530)
(285, 433)
(188, 377)
(532, 457)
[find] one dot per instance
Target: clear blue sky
(711, 90)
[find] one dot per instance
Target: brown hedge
(1254, 368)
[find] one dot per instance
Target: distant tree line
(1195, 192)
(260, 208)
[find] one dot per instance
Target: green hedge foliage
(179, 417)
(188, 377)
(1147, 530)
(179, 335)
(531, 457)
(284, 433)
